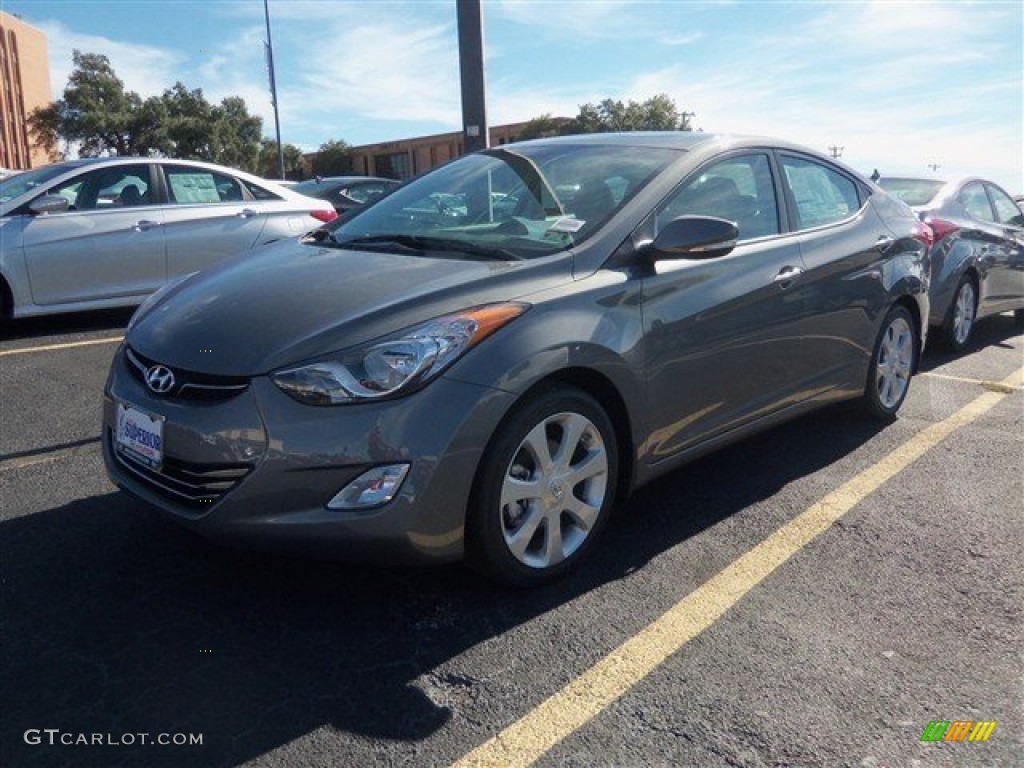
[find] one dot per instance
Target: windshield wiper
(425, 243)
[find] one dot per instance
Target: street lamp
(471, 71)
(273, 91)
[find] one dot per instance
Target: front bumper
(258, 468)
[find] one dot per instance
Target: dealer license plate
(140, 436)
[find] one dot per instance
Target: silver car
(107, 232)
(978, 257)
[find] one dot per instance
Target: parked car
(346, 193)
(488, 381)
(978, 256)
(99, 233)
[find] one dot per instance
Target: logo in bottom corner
(958, 730)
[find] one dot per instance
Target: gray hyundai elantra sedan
(487, 361)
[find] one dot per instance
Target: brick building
(406, 158)
(24, 85)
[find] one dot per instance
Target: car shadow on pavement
(66, 324)
(117, 622)
(989, 332)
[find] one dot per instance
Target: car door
(723, 334)
(108, 244)
(208, 216)
(1006, 278)
(844, 244)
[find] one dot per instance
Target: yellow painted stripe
(982, 730)
(568, 710)
(67, 345)
(1008, 386)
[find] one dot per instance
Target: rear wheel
(545, 489)
(892, 364)
(960, 322)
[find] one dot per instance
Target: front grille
(197, 486)
(189, 385)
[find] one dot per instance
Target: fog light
(371, 489)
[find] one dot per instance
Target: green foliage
(99, 117)
(658, 113)
(333, 158)
(542, 127)
(267, 166)
(96, 112)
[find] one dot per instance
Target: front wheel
(892, 364)
(544, 490)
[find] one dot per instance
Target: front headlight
(398, 364)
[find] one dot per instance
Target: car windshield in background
(912, 191)
(520, 202)
(19, 184)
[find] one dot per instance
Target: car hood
(290, 302)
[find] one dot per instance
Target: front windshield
(513, 202)
(19, 184)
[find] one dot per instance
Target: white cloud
(674, 41)
(587, 18)
(143, 68)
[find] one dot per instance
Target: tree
(543, 127)
(658, 113)
(267, 165)
(237, 135)
(334, 158)
(99, 117)
(96, 112)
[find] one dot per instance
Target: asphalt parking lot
(815, 596)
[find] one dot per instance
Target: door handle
(786, 276)
(884, 243)
(144, 225)
(245, 213)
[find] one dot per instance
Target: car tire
(956, 332)
(893, 362)
(544, 490)
(1018, 316)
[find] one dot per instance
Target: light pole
(273, 91)
(836, 152)
(471, 75)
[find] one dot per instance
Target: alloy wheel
(553, 490)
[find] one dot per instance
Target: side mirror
(694, 237)
(49, 204)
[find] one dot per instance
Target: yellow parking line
(67, 345)
(1013, 383)
(568, 710)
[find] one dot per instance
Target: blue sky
(899, 85)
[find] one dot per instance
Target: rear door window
(974, 199)
(821, 194)
(191, 186)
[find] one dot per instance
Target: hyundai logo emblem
(160, 379)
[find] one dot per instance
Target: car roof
(68, 166)
(685, 140)
(344, 179)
